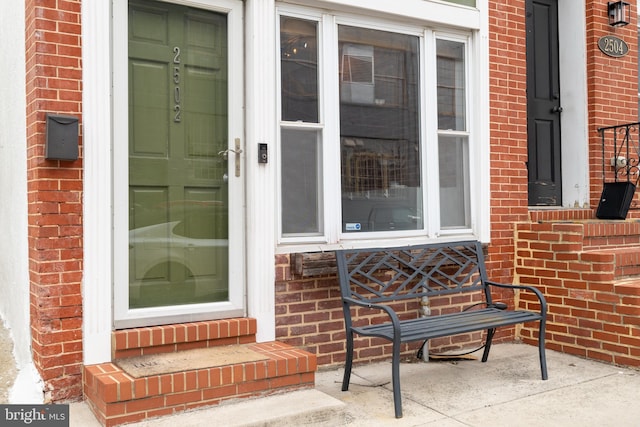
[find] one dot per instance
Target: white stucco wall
(14, 266)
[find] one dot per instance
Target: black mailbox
(62, 138)
(615, 200)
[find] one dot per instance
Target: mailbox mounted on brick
(62, 137)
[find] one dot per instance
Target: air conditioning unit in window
(357, 70)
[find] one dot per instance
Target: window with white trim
(374, 130)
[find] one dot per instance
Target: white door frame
(99, 171)
(573, 96)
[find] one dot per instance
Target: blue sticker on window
(353, 226)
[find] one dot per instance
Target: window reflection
(299, 70)
(451, 85)
(379, 131)
(178, 251)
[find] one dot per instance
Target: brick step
(626, 260)
(117, 397)
(629, 287)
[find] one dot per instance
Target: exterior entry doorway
(185, 166)
(543, 103)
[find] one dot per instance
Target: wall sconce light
(618, 13)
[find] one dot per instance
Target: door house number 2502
(177, 116)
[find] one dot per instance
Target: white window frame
(468, 131)
(476, 92)
(324, 81)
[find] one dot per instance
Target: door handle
(225, 153)
(556, 109)
(237, 151)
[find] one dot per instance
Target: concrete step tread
(297, 408)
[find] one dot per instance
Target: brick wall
(53, 84)
(508, 126)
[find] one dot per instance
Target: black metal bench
(378, 278)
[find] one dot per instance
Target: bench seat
(427, 328)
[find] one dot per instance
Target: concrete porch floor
(505, 391)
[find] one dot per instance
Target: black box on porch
(615, 200)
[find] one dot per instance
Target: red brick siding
(53, 84)
(508, 127)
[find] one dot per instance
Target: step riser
(603, 242)
(627, 271)
(171, 338)
(608, 234)
(117, 398)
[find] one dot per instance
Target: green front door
(179, 155)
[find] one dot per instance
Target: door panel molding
(543, 103)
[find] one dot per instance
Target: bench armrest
(390, 312)
(538, 294)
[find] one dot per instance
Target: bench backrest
(390, 274)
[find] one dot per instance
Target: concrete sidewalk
(505, 391)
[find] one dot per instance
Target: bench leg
(487, 346)
(348, 362)
(395, 377)
(543, 357)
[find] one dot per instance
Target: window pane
(453, 154)
(379, 131)
(451, 85)
(301, 189)
(299, 69)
